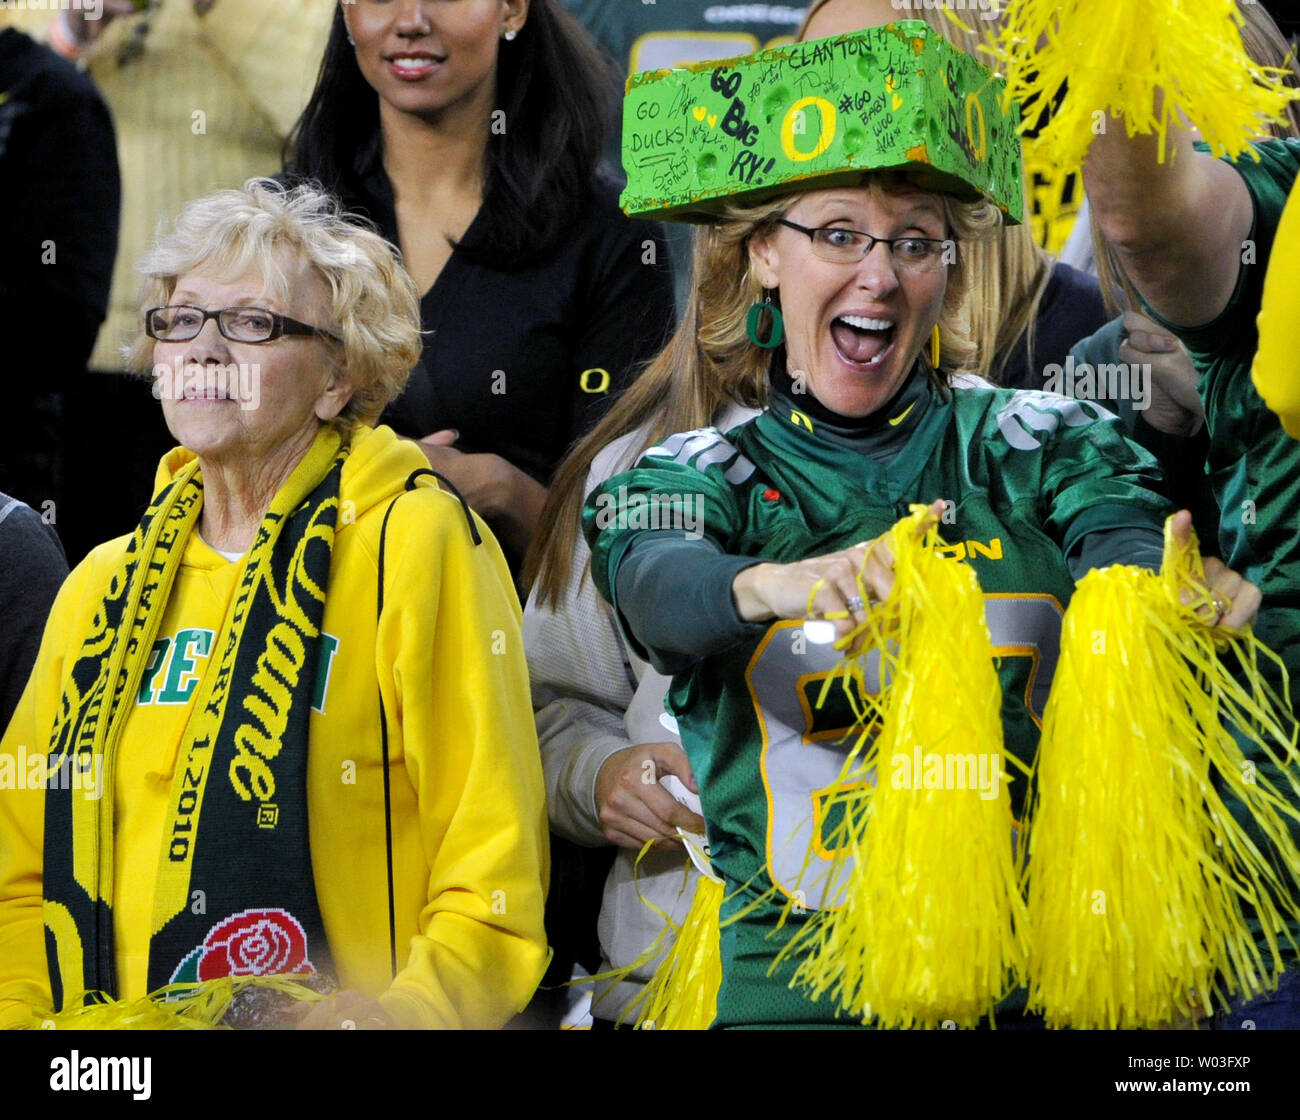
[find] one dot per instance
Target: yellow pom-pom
(930, 925)
(186, 1006)
(1116, 56)
(683, 994)
(1137, 871)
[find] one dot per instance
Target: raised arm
(1179, 228)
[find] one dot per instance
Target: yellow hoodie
(469, 820)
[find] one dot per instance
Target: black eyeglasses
(180, 322)
(839, 245)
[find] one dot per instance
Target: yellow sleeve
(24, 978)
(24, 975)
(452, 671)
(1274, 371)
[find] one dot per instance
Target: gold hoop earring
(934, 347)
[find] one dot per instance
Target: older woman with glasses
(823, 298)
(283, 727)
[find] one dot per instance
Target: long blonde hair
(710, 361)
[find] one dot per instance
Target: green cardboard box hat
(819, 114)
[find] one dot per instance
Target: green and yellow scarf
(237, 816)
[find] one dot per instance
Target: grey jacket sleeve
(32, 569)
(583, 681)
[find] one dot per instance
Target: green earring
(777, 335)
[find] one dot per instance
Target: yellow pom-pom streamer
(647, 956)
(931, 924)
(1115, 56)
(683, 994)
(185, 1006)
(1137, 871)
(1275, 374)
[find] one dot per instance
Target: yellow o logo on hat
(826, 116)
(601, 385)
(982, 148)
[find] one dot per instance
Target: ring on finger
(856, 603)
(1222, 605)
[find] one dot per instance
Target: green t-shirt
(1030, 475)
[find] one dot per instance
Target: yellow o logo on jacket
(602, 382)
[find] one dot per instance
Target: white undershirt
(231, 556)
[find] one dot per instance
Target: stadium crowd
(338, 347)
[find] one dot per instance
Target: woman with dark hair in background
(470, 133)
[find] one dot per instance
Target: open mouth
(863, 342)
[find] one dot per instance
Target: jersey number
(802, 754)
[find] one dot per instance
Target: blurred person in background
(32, 567)
(1190, 238)
(1170, 422)
(59, 201)
(202, 94)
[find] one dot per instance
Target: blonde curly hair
(374, 308)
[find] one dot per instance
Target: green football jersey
(1254, 466)
(1027, 476)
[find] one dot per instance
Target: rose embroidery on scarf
(250, 943)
